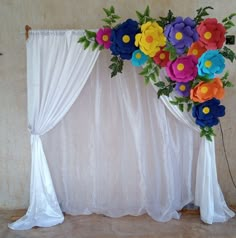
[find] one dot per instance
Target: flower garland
(191, 51)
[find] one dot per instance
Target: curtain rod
(27, 29)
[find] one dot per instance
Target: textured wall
(73, 14)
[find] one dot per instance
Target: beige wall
(67, 14)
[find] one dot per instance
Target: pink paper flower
(183, 69)
(103, 37)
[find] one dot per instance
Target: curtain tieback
(33, 132)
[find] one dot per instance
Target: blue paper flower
(123, 38)
(181, 33)
(207, 113)
(138, 58)
(183, 89)
(211, 63)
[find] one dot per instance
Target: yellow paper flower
(150, 39)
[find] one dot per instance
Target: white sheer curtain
(128, 155)
(119, 151)
(208, 194)
(116, 151)
(57, 69)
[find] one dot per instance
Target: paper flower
(205, 91)
(138, 58)
(181, 33)
(162, 57)
(123, 37)
(150, 39)
(211, 63)
(103, 37)
(183, 89)
(207, 113)
(183, 69)
(196, 49)
(211, 33)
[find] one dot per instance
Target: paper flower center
(204, 89)
(182, 88)
(126, 39)
(162, 56)
(149, 39)
(206, 110)
(208, 64)
(138, 56)
(178, 36)
(207, 35)
(195, 52)
(180, 66)
(105, 38)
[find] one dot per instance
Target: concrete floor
(189, 226)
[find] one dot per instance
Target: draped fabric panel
(129, 155)
(57, 70)
(212, 204)
(108, 146)
(119, 151)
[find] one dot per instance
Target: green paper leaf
(111, 17)
(174, 102)
(147, 11)
(116, 17)
(201, 14)
(95, 46)
(139, 15)
(112, 9)
(173, 54)
(90, 34)
(208, 132)
(107, 20)
(163, 21)
(107, 12)
(86, 44)
(189, 107)
(160, 84)
(145, 17)
(82, 39)
(228, 53)
(227, 21)
(116, 66)
(181, 107)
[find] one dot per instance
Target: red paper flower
(212, 34)
(161, 58)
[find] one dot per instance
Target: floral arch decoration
(192, 52)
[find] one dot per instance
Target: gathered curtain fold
(208, 194)
(57, 70)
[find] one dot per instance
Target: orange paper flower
(196, 49)
(205, 91)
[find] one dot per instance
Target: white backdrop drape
(111, 148)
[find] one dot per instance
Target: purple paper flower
(181, 33)
(183, 89)
(183, 69)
